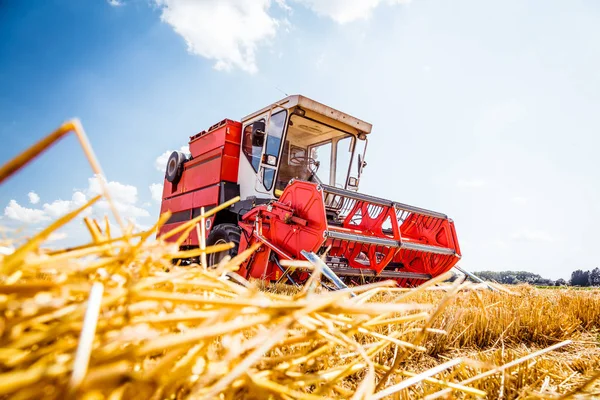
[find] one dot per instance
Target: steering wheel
(311, 164)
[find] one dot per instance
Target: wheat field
(497, 327)
(116, 319)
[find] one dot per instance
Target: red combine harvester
(296, 165)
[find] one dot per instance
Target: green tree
(513, 277)
(595, 277)
(580, 278)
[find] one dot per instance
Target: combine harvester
(296, 165)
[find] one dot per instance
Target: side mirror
(361, 165)
(258, 133)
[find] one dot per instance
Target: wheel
(175, 166)
(221, 234)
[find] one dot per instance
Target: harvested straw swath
(116, 319)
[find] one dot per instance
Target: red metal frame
(298, 222)
(214, 159)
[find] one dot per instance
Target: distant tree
(527, 277)
(513, 277)
(576, 277)
(580, 278)
(595, 277)
(560, 282)
(544, 282)
(489, 276)
(586, 278)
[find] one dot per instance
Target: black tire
(175, 166)
(223, 233)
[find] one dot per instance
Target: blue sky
(487, 111)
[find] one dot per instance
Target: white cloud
(161, 161)
(230, 31)
(120, 193)
(227, 31)
(344, 11)
(115, 3)
(17, 212)
(124, 196)
(470, 183)
(527, 235)
(57, 208)
(33, 197)
(126, 210)
(282, 4)
(156, 190)
(60, 207)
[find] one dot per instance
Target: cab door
(261, 147)
(253, 135)
(271, 156)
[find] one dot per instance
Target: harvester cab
(298, 138)
(296, 166)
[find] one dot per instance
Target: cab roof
(308, 104)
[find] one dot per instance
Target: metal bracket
(329, 274)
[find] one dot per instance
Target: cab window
(268, 178)
(252, 144)
(274, 132)
(343, 160)
(322, 154)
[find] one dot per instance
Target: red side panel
(177, 203)
(215, 158)
(226, 131)
(294, 223)
(202, 171)
(261, 268)
(226, 137)
(307, 204)
(187, 206)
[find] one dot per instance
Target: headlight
(272, 160)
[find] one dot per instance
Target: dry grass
(114, 319)
(496, 328)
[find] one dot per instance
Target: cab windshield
(315, 151)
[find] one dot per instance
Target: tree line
(578, 278)
(586, 278)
